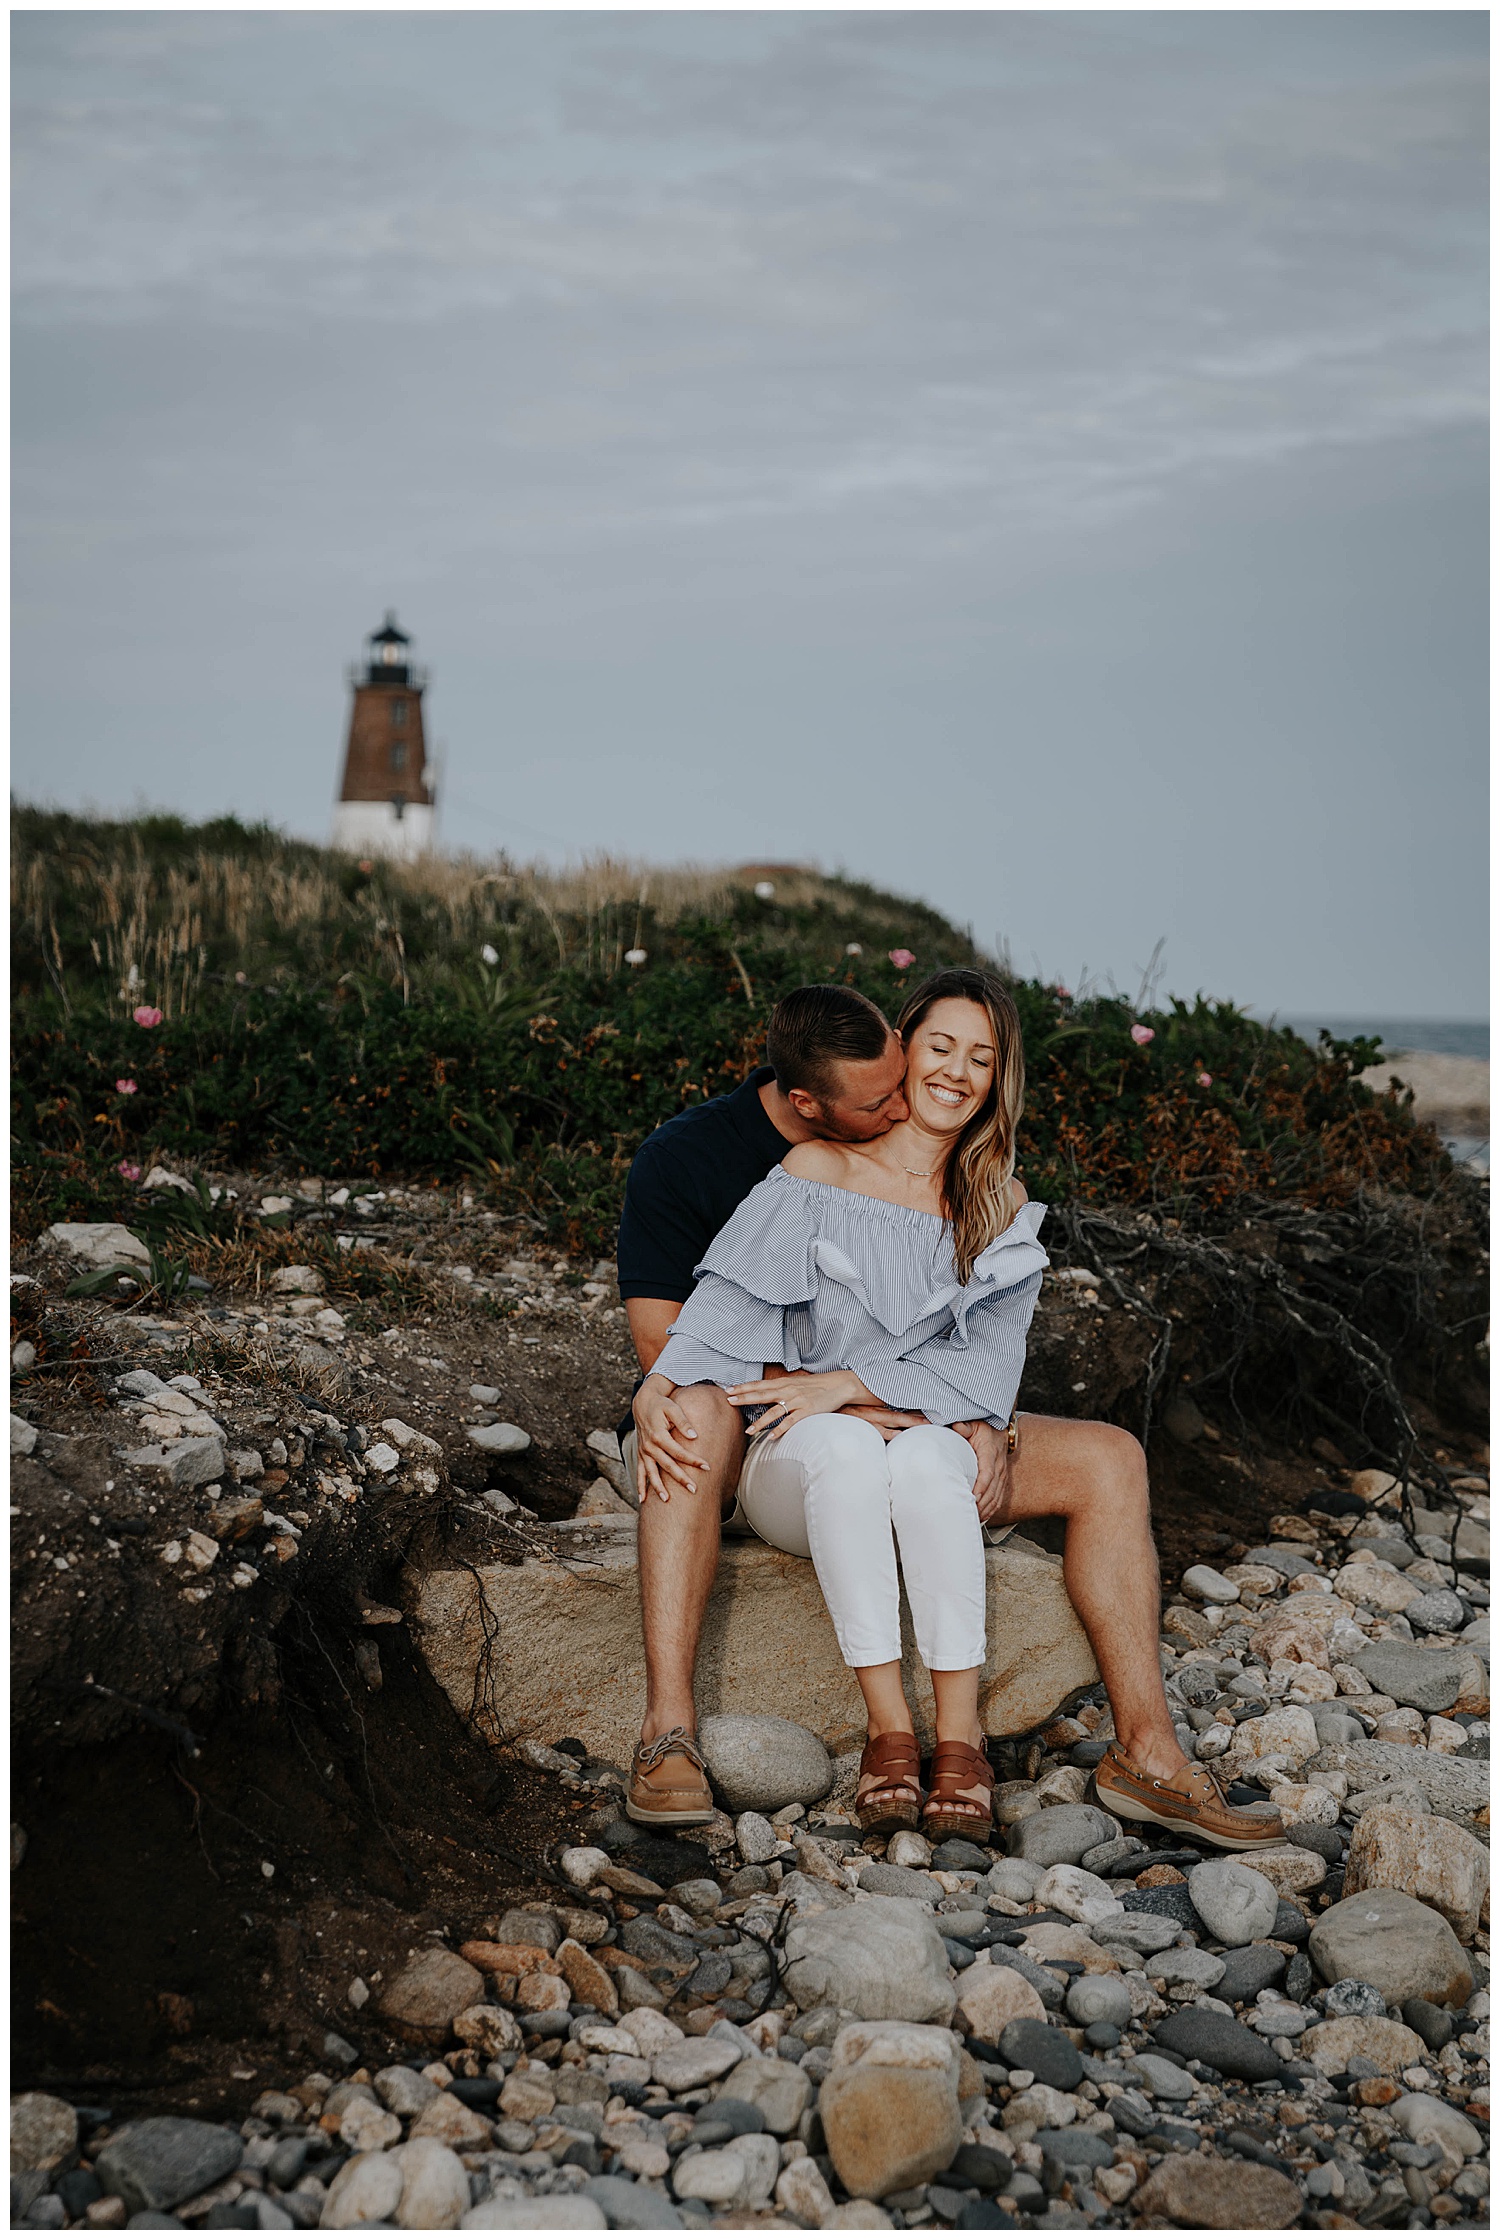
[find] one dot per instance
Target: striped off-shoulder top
(817, 1277)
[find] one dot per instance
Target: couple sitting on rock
(829, 1276)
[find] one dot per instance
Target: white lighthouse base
(373, 828)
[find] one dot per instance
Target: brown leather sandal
(957, 1766)
(896, 1799)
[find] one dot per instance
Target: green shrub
(455, 1020)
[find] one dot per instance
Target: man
(835, 1073)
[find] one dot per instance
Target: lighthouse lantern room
(387, 803)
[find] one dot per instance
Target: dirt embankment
(236, 1787)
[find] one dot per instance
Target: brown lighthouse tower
(386, 803)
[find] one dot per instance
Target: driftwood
(1327, 1320)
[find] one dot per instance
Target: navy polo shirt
(685, 1182)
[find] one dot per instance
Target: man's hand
(664, 1456)
(887, 1421)
(992, 1451)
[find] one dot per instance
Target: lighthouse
(386, 804)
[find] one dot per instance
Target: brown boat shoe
(668, 1783)
(1191, 1802)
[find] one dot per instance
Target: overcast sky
(1034, 461)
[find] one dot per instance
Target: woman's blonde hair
(977, 1192)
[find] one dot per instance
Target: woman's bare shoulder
(815, 1162)
(1018, 1192)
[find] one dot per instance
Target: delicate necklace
(922, 1173)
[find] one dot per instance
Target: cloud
(755, 331)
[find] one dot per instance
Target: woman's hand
(792, 1398)
(663, 1459)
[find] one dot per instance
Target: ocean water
(1455, 1038)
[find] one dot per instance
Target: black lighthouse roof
(387, 660)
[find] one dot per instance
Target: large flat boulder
(554, 1647)
(1457, 1788)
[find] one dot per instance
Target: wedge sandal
(957, 1766)
(896, 1799)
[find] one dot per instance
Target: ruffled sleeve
(759, 1265)
(972, 1369)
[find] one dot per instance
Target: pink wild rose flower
(902, 958)
(1205, 1080)
(1142, 1035)
(146, 1015)
(126, 1088)
(129, 1170)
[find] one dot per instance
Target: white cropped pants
(832, 1488)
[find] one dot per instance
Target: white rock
(1162, 2078)
(499, 1438)
(651, 2032)
(908, 1849)
(881, 1958)
(101, 1243)
(1207, 1585)
(583, 1863)
(607, 2037)
(1015, 1879)
(1288, 1732)
(1096, 1999)
(1185, 1964)
(554, 2212)
(1375, 1586)
(1304, 1801)
(22, 1435)
(200, 1550)
(306, 1282)
(758, 1763)
(366, 2191)
(409, 1440)
(1078, 1894)
(1145, 1932)
(367, 2127)
(757, 1839)
(434, 2186)
(382, 1458)
(1277, 2017)
(692, 2062)
(802, 2192)
(990, 1997)
(715, 2175)
(1427, 2120)
(1428, 1858)
(191, 1462)
(1044, 2106)
(1238, 1904)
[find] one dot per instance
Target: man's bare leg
(1093, 1475)
(678, 1544)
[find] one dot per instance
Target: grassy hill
(481, 1020)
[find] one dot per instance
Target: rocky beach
(325, 1918)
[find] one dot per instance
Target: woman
(897, 1274)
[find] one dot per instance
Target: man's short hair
(815, 1029)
